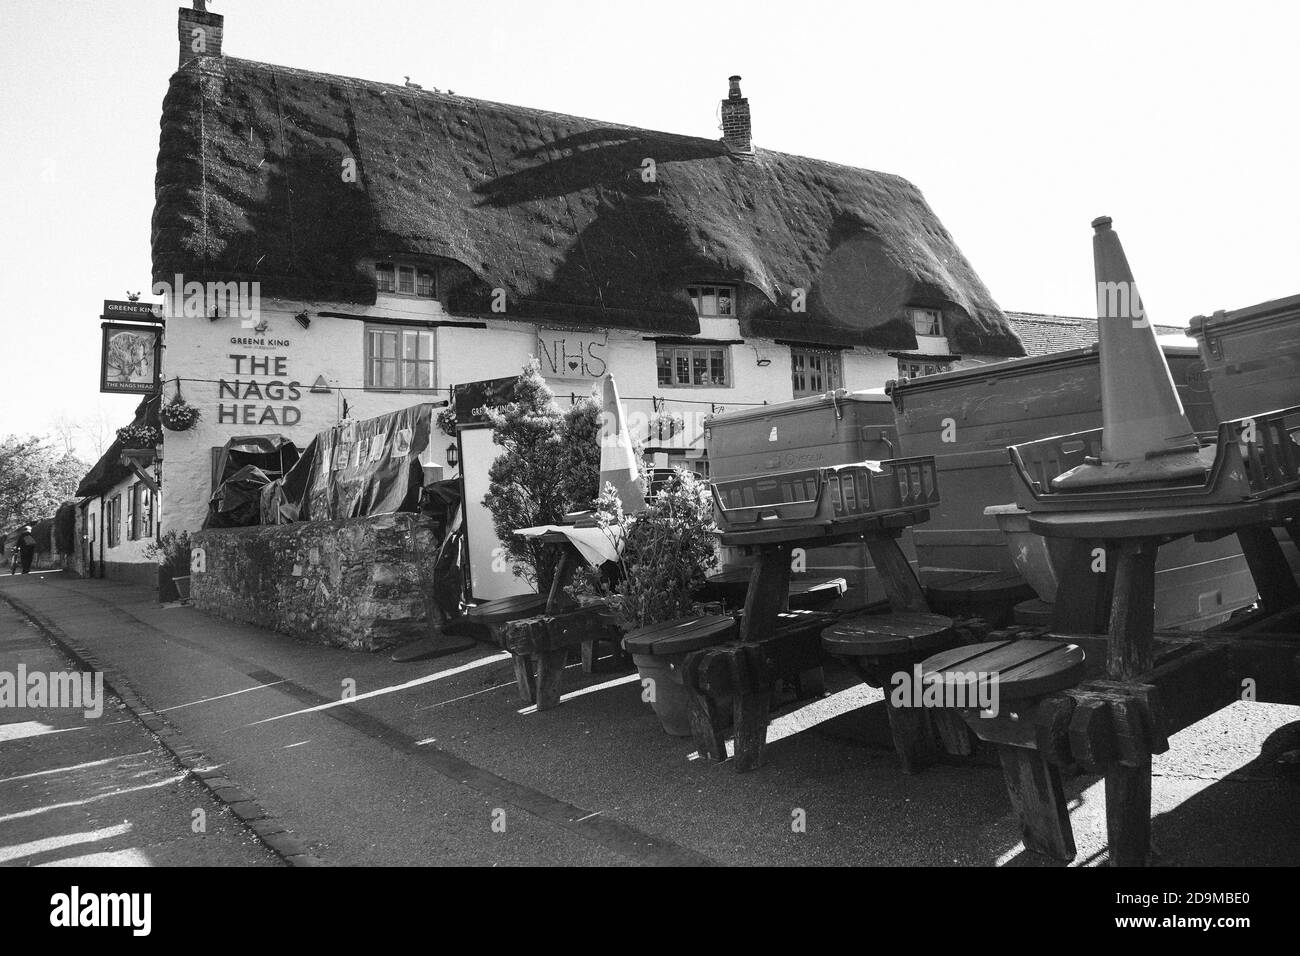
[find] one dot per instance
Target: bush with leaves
(667, 551)
(550, 464)
(171, 551)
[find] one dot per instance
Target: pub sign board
(132, 311)
(470, 400)
(129, 359)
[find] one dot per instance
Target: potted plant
(178, 415)
(172, 552)
(665, 554)
(139, 436)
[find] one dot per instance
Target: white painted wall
(128, 551)
(199, 352)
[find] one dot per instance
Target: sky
(1019, 121)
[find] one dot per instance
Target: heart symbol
(573, 366)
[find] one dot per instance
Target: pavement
(338, 757)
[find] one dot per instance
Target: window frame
(691, 353)
(906, 366)
(697, 295)
(937, 316)
(834, 370)
(396, 267)
(142, 511)
(398, 359)
(115, 520)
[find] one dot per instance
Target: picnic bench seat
(730, 685)
(1029, 727)
(540, 646)
(988, 595)
(879, 646)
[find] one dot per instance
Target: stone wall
(360, 583)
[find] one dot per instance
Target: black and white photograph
(551, 434)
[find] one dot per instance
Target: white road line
(532, 708)
(19, 850)
(36, 811)
(75, 767)
(205, 700)
(440, 675)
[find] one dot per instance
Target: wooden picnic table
(539, 631)
(1131, 540)
(768, 649)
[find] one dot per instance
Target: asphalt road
(434, 762)
(99, 790)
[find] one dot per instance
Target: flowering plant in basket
(139, 436)
(178, 414)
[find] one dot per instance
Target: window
(694, 366)
(713, 301)
(130, 515)
(814, 371)
(399, 358)
(141, 525)
(396, 279)
(912, 369)
(927, 321)
(114, 520)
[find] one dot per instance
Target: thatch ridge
(550, 207)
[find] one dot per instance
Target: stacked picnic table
(1102, 691)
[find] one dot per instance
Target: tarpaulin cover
(360, 468)
(237, 503)
(274, 455)
(442, 504)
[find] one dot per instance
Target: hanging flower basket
(139, 436)
(178, 414)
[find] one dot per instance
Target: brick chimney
(735, 119)
(200, 32)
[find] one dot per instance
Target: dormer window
(927, 321)
(713, 301)
(395, 278)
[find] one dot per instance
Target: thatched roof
(551, 208)
(109, 470)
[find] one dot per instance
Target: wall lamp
(760, 360)
(453, 455)
(302, 319)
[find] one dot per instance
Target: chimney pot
(736, 133)
(1102, 223)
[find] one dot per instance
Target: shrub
(668, 550)
(171, 551)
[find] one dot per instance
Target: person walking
(27, 547)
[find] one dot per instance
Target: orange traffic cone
(1146, 437)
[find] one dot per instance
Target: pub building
(375, 244)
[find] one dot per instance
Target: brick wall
(360, 583)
